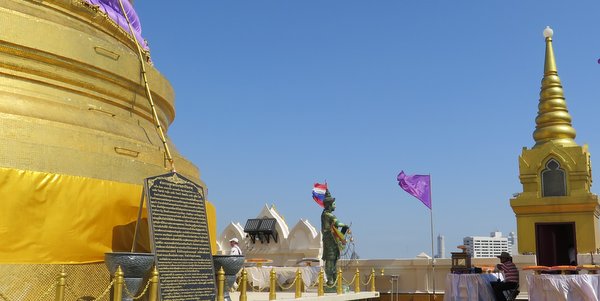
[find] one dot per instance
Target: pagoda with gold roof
(556, 210)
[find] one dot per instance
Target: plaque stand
(135, 266)
(231, 265)
(139, 218)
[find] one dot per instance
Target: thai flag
(318, 193)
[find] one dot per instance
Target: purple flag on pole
(418, 186)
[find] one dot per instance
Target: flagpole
(432, 252)
(413, 185)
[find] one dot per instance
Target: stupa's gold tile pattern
(77, 137)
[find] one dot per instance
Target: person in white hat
(235, 249)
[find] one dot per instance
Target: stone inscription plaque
(180, 240)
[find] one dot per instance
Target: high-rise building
(441, 247)
(486, 246)
(512, 243)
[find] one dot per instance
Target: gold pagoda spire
(553, 122)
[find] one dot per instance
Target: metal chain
(110, 285)
(259, 290)
(314, 284)
(332, 285)
(53, 286)
(368, 280)
(68, 287)
(238, 282)
(130, 295)
(286, 288)
(353, 278)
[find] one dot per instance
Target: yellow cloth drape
(52, 218)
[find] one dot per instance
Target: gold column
(340, 288)
(320, 290)
(357, 281)
(298, 284)
(153, 293)
(272, 285)
(220, 284)
(243, 285)
(372, 280)
(118, 289)
(60, 286)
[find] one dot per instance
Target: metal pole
(357, 281)
(221, 285)
(340, 280)
(432, 254)
(320, 290)
(272, 284)
(392, 292)
(137, 224)
(60, 286)
(118, 289)
(395, 287)
(243, 285)
(372, 279)
(153, 293)
(298, 294)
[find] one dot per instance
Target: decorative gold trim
(126, 152)
(559, 208)
(107, 53)
(102, 111)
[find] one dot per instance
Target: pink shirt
(510, 271)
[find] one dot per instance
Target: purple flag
(418, 186)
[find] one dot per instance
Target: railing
(61, 286)
(298, 284)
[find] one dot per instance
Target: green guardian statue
(333, 238)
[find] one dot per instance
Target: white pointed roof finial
(548, 32)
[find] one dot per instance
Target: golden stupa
(556, 210)
(78, 138)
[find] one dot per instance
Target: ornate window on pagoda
(553, 180)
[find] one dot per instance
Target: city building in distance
(487, 246)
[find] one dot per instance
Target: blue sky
(272, 96)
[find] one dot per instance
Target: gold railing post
(340, 282)
(372, 280)
(221, 285)
(60, 285)
(298, 284)
(320, 290)
(153, 293)
(357, 281)
(118, 289)
(272, 285)
(243, 285)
